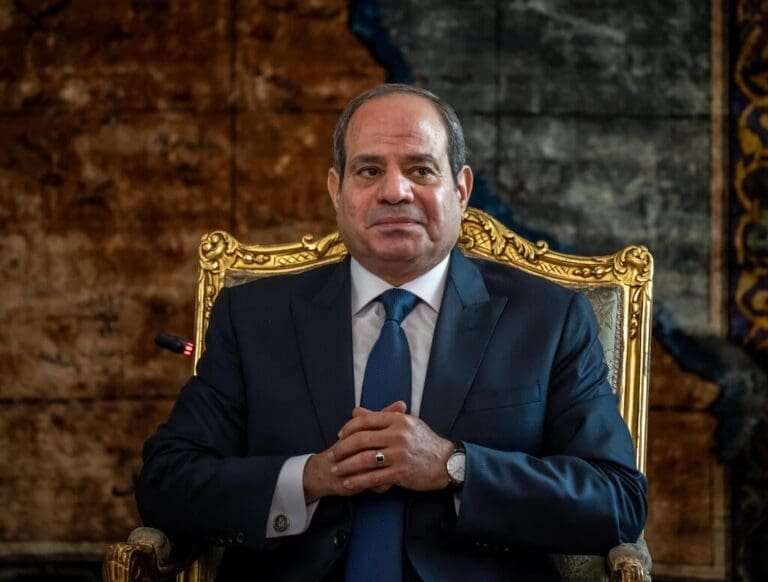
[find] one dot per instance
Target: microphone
(174, 343)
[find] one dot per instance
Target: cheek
(447, 214)
(442, 208)
(349, 212)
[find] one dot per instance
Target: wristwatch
(456, 463)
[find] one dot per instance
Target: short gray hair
(457, 149)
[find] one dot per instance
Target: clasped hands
(414, 456)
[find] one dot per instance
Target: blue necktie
(376, 544)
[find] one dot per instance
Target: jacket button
(240, 537)
(340, 537)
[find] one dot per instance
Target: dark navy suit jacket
(516, 373)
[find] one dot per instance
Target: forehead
(396, 121)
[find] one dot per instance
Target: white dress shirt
(289, 514)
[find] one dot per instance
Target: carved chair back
(619, 287)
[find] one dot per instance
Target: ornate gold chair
(618, 286)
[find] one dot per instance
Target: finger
(363, 461)
(358, 415)
(366, 440)
(368, 421)
(371, 480)
(396, 406)
(360, 410)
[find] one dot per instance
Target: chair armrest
(147, 555)
(625, 563)
(576, 568)
(630, 562)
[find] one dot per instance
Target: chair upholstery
(618, 287)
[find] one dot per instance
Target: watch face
(455, 467)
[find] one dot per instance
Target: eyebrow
(366, 159)
(411, 158)
(422, 158)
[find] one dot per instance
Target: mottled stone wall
(127, 129)
(591, 118)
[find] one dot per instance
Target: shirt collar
(428, 287)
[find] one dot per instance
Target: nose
(395, 188)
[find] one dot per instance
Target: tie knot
(398, 303)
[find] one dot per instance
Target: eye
(423, 172)
(368, 172)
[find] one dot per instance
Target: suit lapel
(467, 319)
(323, 324)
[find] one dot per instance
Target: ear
(333, 183)
(464, 182)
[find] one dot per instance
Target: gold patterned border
(748, 316)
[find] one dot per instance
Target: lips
(382, 219)
(396, 220)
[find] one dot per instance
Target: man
(502, 446)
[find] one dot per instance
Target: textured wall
(127, 129)
(590, 118)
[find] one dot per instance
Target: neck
(398, 274)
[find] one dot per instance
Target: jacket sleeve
(583, 495)
(196, 481)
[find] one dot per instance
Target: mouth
(395, 221)
(395, 224)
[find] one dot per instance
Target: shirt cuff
(289, 514)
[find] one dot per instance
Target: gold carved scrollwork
(633, 265)
(629, 570)
(217, 254)
(217, 250)
(497, 240)
(128, 563)
(323, 246)
(597, 272)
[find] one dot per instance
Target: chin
(397, 257)
(397, 249)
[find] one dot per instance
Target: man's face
(398, 208)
